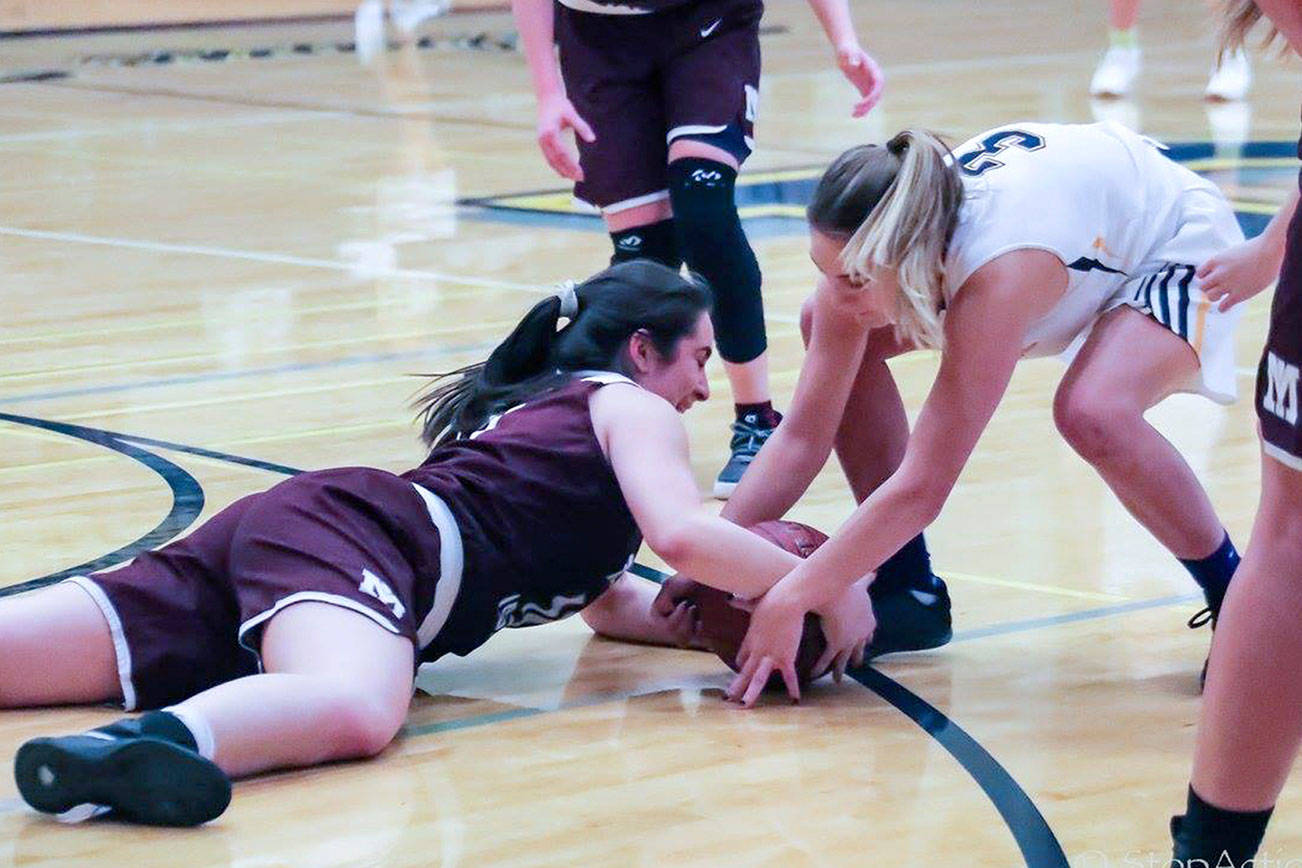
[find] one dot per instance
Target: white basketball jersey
(1101, 198)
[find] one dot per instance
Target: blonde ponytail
(1237, 18)
(899, 206)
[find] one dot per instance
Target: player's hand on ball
(684, 623)
(863, 72)
(848, 625)
(1238, 273)
(555, 115)
(770, 646)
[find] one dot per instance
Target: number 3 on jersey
(982, 160)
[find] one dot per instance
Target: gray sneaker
(747, 439)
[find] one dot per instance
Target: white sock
(198, 727)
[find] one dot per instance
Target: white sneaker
(368, 30)
(1232, 79)
(1116, 72)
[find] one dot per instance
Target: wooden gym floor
(213, 272)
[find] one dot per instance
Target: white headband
(569, 300)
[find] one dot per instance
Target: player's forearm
(895, 513)
(628, 615)
(722, 555)
(534, 20)
(834, 16)
(1275, 235)
(778, 476)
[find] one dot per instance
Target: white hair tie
(569, 300)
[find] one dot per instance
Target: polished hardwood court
(235, 267)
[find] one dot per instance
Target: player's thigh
(1128, 362)
(711, 84)
(332, 642)
(55, 648)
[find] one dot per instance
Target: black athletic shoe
(143, 780)
(911, 619)
(747, 439)
(1201, 617)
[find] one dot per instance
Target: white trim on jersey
(605, 378)
(600, 9)
(120, 647)
(693, 130)
(312, 597)
(452, 561)
(1283, 457)
(616, 207)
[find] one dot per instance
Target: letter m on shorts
(377, 588)
(1281, 389)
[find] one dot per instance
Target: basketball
(723, 625)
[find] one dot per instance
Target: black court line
(187, 498)
(1038, 844)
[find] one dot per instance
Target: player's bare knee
(1093, 426)
(364, 725)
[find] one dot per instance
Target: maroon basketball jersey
(544, 526)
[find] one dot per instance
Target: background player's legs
(701, 185)
(644, 232)
(55, 649)
(337, 686)
(911, 603)
(1116, 72)
(1127, 365)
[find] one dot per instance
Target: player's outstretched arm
(798, 449)
(533, 18)
(646, 443)
(855, 63)
(624, 611)
(984, 328)
(1242, 271)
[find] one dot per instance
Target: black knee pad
(656, 241)
(713, 243)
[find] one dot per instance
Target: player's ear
(642, 352)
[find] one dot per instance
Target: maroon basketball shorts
(190, 615)
(642, 81)
(1277, 375)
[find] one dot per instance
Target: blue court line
(1071, 617)
(218, 376)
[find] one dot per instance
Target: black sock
(1213, 573)
(761, 414)
(910, 567)
(1214, 836)
(154, 724)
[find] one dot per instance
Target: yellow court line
(180, 322)
(1211, 164)
(227, 399)
(339, 342)
(1032, 586)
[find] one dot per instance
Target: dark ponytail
(640, 295)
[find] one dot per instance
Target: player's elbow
(679, 544)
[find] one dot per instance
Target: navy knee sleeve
(714, 245)
(653, 241)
